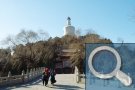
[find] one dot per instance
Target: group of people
(48, 73)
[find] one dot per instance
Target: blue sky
(112, 19)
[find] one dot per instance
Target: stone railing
(23, 78)
(79, 78)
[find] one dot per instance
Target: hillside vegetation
(31, 50)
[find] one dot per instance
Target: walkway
(64, 82)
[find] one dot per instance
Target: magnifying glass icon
(124, 78)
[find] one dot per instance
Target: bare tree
(78, 32)
(10, 41)
(43, 35)
(25, 37)
(90, 31)
(120, 40)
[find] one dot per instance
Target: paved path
(64, 82)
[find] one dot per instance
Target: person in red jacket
(46, 75)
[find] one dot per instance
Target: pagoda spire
(68, 21)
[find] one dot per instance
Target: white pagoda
(69, 29)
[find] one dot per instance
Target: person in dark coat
(52, 74)
(45, 76)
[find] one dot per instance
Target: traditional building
(63, 63)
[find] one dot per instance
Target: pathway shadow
(66, 87)
(26, 85)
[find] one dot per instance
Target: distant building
(69, 29)
(63, 63)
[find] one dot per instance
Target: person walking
(52, 74)
(45, 76)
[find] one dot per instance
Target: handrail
(79, 77)
(17, 79)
